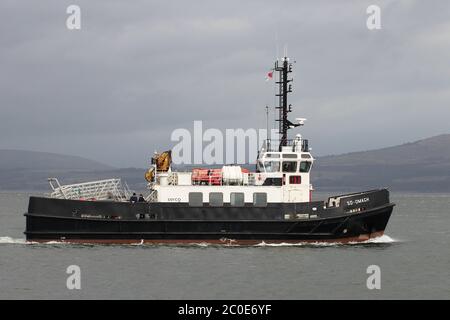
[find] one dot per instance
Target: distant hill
(29, 170)
(422, 166)
(21, 159)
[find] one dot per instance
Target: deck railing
(110, 189)
(274, 145)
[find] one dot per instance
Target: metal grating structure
(110, 189)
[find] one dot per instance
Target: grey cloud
(115, 90)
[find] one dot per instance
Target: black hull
(110, 222)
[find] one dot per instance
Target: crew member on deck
(133, 198)
(141, 198)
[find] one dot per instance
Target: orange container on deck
(207, 176)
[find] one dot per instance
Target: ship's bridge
(291, 158)
(291, 145)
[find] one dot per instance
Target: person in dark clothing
(133, 198)
(141, 198)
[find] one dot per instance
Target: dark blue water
(414, 259)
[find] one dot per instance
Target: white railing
(152, 197)
(110, 189)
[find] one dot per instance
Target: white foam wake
(383, 239)
(52, 242)
(9, 240)
(378, 240)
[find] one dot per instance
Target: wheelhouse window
(237, 199)
(260, 199)
(216, 199)
(195, 199)
(272, 155)
(289, 156)
(289, 166)
(272, 166)
(305, 166)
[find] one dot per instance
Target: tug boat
(228, 205)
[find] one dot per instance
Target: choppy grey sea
(413, 257)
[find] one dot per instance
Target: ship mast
(283, 68)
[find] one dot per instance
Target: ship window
(306, 156)
(273, 182)
(289, 166)
(289, 156)
(305, 166)
(216, 199)
(195, 199)
(272, 155)
(272, 166)
(260, 199)
(237, 199)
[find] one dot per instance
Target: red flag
(269, 75)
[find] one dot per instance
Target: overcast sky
(116, 89)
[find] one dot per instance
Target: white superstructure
(281, 176)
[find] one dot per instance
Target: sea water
(413, 258)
